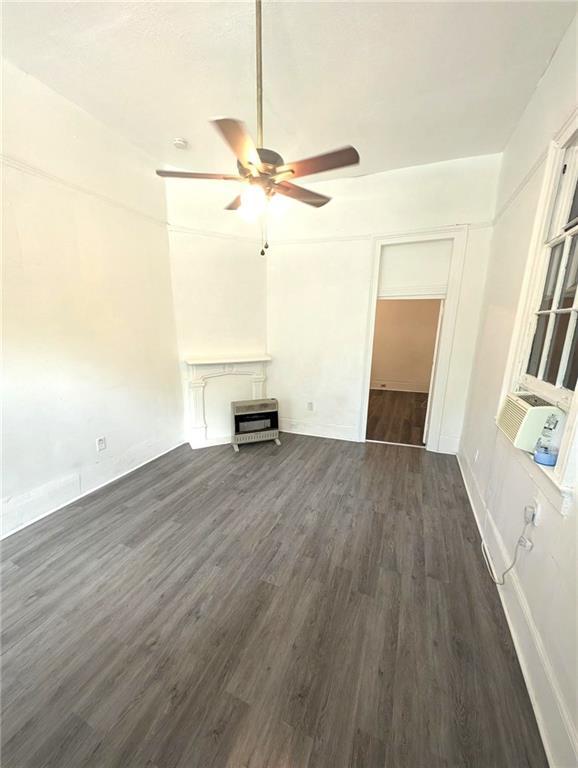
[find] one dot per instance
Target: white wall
(403, 344)
(89, 337)
(415, 269)
(220, 295)
(540, 596)
(217, 270)
(320, 288)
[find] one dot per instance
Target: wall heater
(254, 421)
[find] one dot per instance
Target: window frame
(564, 473)
(556, 393)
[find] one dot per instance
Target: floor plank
(396, 417)
(319, 604)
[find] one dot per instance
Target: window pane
(572, 369)
(574, 209)
(552, 276)
(556, 347)
(537, 345)
(569, 286)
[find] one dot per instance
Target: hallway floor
(396, 417)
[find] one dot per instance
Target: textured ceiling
(406, 83)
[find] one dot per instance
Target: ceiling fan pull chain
(264, 237)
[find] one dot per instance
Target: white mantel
(213, 381)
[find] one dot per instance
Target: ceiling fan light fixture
(253, 202)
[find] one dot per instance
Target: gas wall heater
(254, 421)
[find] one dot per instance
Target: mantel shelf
(227, 359)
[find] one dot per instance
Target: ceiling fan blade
(237, 137)
(234, 204)
(303, 195)
(187, 175)
(340, 158)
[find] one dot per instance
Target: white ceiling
(406, 83)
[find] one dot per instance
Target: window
(553, 355)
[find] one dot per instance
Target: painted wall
(89, 337)
(415, 269)
(540, 596)
(319, 302)
(219, 276)
(403, 344)
(220, 295)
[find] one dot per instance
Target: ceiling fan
(263, 169)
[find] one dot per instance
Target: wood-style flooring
(323, 603)
(396, 417)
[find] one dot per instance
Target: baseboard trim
(331, 431)
(554, 721)
(389, 385)
(88, 491)
(210, 442)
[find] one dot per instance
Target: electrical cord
(502, 580)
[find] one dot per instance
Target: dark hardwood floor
(319, 604)
(396, 417)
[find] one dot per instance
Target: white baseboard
(448, 444)
(400, 386)
(21, 511)
(209, 442)
(556, 726)
(315, 429)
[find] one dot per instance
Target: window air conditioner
(523, 417)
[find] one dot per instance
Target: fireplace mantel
(227, 359)
(208, 411)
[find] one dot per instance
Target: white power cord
(522, 543)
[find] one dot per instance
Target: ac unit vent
(523, 416)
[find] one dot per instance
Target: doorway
(405, 339)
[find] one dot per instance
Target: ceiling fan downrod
(259, 57)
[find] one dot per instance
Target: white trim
(36, 493)
(183, 230)
(554, 720)
(431, 291)
(395, 385)
(34, 170)
(401, 445)
(316, 429)
(228, 359)
(532, 285)
(458, 235)
(433, 370)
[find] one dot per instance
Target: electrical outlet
(532, 512)
(310, 406)
(100, 444)
(525, 543)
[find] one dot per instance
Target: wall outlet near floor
(310, 406)
(100, 444)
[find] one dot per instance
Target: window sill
(562, 398)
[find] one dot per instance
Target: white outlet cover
(101, 443)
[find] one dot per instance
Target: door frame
(433, 369)
(450, 298)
